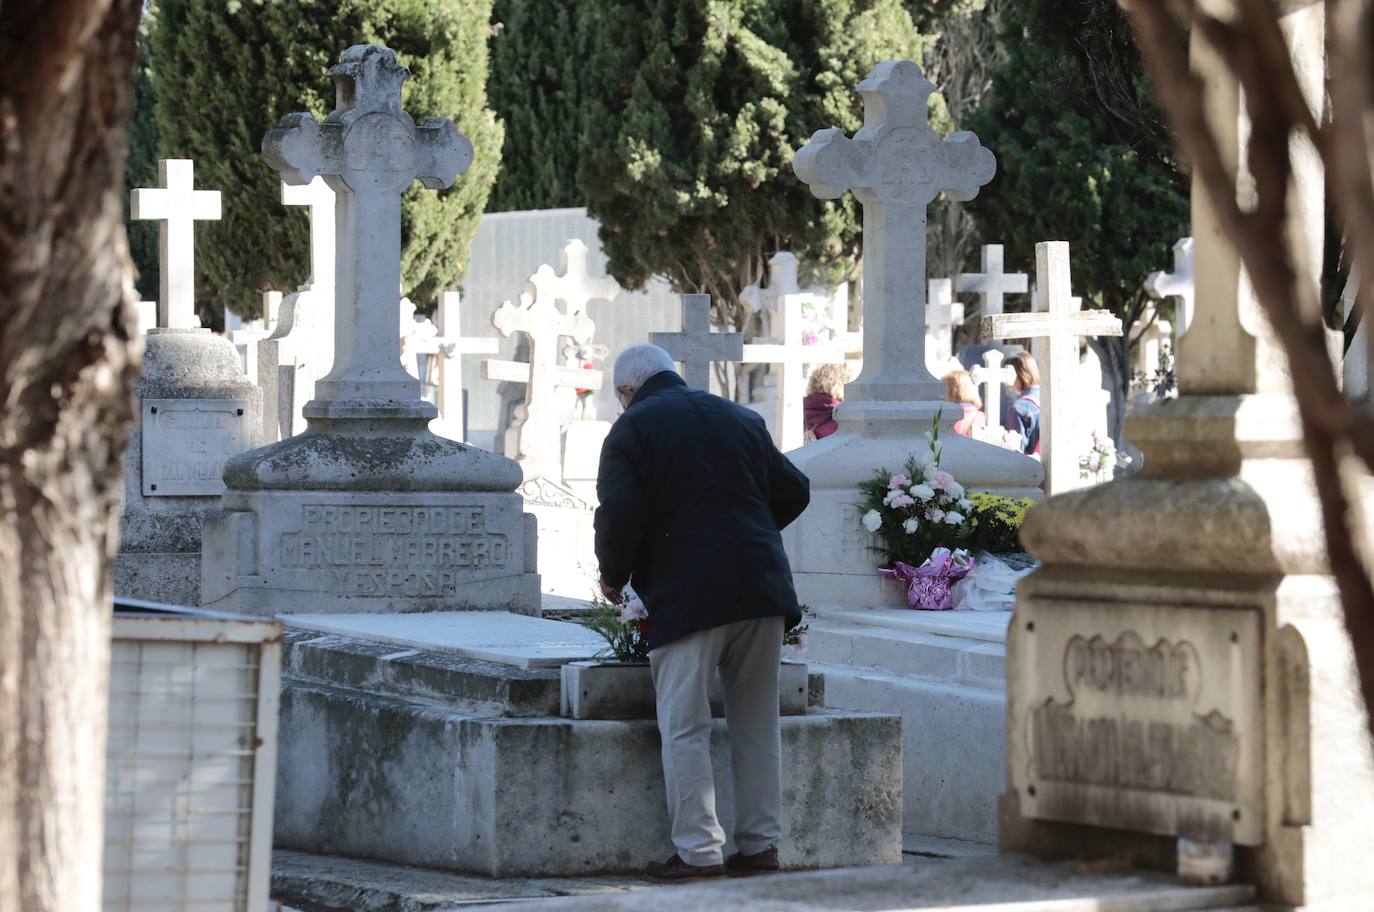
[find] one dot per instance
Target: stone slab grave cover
(895, 166)
(196, 409)
(695, 346)
(367, 510)
(1061, 327)
(1213, 556)
(300, 348)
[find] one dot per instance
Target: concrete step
(908, 653)
(989, 626)
(953, 746)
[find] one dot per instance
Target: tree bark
(66, 376)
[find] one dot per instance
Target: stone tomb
(368, 510)
(400, 744)
(196, 410)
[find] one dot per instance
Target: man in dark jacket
(693, 495)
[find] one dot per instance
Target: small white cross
(449, 346)
(696, 347)
(1179, 283)
(942, 315)
(792, 356)
(992, 284)
(177, 205)
(992, 378)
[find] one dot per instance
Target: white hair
(638, 363)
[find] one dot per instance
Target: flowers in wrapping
(928, 586)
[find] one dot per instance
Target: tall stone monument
(369, 511)
(1179, 666)
(895, 166)
(196, 409)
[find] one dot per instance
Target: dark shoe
(675, 870)
(765, 862)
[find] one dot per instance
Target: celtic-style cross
(576, 288)
(895, 165)
(369, 151)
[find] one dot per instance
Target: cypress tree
(140, 170)
(227, 70)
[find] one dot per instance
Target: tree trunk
(66, 375)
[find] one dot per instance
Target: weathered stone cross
(368, 151)
(895, 165)
(575, 287)
(792, 356)
(1179, 283)
(992, 285)
(943, 313)
(177, 205)
(1061, 327)
(539, 445)
(992, 378)
(696, 347)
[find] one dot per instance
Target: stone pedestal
(196, 410)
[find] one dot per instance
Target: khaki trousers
(747, 654)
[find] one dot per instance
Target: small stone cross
(1061, 327)
(539, 446)
(792, 356)
(943, 313)
(992, 378)
(177, 205)
(696, 347)
(368, 151)
(319, 196)
(1179, 283)
(895, 165)
(992, 284)
(448, 347)
(575, 288)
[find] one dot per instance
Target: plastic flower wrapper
(928, 586)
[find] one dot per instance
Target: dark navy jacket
(693, 496)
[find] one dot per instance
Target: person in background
(1023, 414)
(824, 392)
(959, 388)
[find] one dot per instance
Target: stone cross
(177, 206)
(319, 197)
(1179, 283)
(448, 347)
(696, 347)
(942, 315)
(368, 151)
(791, 355)
(1060, 326)
(575, 288)
(1152, 342)
(895, 165)
(992, 285)
(539, 436)
(992, 376)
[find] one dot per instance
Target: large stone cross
(177, 205)
(992, 285)
(791, 355)
(992, 376)
(943, 313)
(368, 151)
(540, 444)
(696, 347)
(1061, 326)
(1179, 283)
(895, 165)
(319, 197)
(575, 287)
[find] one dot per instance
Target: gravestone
(575, 288)
(1177, 284)
(992, 285)
(943, 315)
(992, 377)
(246, 336)
(300, 348)
(368, 510)
(1060, 330)
(792, 356)
(196, 409)
(696, 347)
(1179, 666)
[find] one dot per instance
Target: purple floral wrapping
(927, 586)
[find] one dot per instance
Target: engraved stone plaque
(186, 443)
(1136, 717)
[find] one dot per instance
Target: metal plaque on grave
(187, 441)
(1139, 717)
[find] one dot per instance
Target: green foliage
(1083, 153)
(997, 521)
(626, 640)
(694, 109)
(535, 88)
(226, 72)
(141, 171)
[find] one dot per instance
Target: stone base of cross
(1060, 329)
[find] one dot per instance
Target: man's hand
(612, 593)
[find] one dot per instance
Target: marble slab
(491, 636)
(187, 441)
